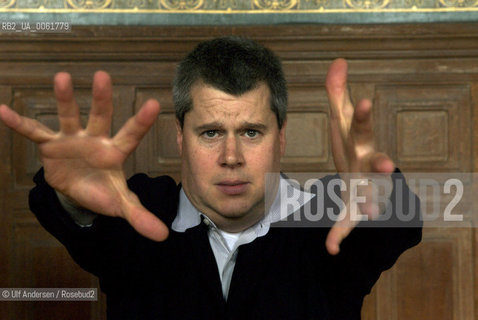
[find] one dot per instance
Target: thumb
(335, 237)
(339, 231)
(146, 223)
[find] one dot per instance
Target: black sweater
(286, 274)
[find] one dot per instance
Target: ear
(179, 137)
(282, 140)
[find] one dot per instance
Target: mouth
(233, 187)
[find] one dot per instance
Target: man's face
(227, 145)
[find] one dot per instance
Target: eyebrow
(218, 125)
(209, 126)
(254, 126)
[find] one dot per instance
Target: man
(206, 248)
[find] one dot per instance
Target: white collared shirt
(225, 245)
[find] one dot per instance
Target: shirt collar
(189, 217)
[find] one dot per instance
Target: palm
(86, 165)
(91, 167)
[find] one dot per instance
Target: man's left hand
(353, 146)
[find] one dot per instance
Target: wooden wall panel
(426, 127)
(431, 281)
(42, 262)
(307, 131)
(307, 138)
(158, 153)
(474, 102)
(422, 136)
(5, 171)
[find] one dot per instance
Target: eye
(252, 133)
(210, 134)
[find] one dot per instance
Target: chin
(233, 213)
(235, 210)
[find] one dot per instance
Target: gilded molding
(89, 4)
(6, 3)
(275, 4)
(238, 6)
(226, 4)
(182, 4)
(367, 4)
(458, 3)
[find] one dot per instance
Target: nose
(232, 153)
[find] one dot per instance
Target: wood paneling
(431, 281)
(423, 80)
(474, 102)
(158, 152)
(307, 130)
(42, 262)
(430, 126)
(5, 176)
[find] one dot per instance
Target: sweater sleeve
(110, 249)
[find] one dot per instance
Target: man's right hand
(86, 165)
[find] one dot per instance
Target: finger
(29, 128)
(339, 232)
(339, 98)
(99, 121)
(338, 148)
(362, 124)
(129, 136)
(341, 113)
(381, 163)
(147, 224)
(334, 238)
(362, 131)
(68, 112)
(368, 193)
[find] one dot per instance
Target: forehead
(211, 104)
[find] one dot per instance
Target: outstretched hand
(86, 164)
(353, 145)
